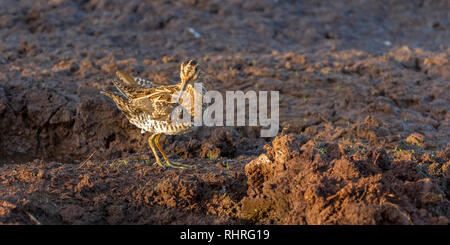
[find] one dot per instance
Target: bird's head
(189, 71)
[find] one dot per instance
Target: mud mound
(305, 182)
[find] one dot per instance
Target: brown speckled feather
(157, 101)
(149, 107)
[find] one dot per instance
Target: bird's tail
(129, 91)
(121, 102)
(125, 78)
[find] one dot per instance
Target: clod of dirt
(298, 183)
(220, 144)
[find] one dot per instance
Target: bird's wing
(160, 102)
(158, 108)
(157, 104)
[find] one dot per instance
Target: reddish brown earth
(364, 136)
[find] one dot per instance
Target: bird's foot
(159, 163)
(174, 164)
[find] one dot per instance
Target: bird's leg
(168, 162)
(150, 142)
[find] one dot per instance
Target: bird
(152, 108)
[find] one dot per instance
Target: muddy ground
(364, 135)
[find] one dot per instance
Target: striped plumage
(149, 107)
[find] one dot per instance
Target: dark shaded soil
(364, 136)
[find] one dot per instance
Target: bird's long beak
(183, 87)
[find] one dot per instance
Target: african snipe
(149, 107)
